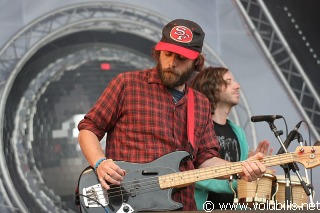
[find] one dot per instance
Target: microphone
(290, 137)
(300, 138)
(268, 118)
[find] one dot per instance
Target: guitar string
(153, 182)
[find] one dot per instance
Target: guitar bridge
(95, 196)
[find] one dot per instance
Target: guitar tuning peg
(301, 150)
(313, 150)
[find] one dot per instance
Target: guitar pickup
(150, 172)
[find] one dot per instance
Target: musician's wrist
(97, 164)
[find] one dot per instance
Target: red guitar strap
(190, 118)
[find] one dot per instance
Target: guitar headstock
(309, 156)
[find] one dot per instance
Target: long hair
(209, 82)
(198, 63)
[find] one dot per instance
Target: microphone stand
(308, 189)
(285, 167)
(293, 166)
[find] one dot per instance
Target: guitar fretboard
(185, 178)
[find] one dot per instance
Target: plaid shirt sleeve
(105, 112)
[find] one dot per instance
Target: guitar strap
(190, 118)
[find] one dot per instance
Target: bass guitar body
(139, 191)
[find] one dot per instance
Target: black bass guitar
(148, 187)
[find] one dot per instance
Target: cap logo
(181, 34)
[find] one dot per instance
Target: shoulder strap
(190, 117)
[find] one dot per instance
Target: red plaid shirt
(143, 123)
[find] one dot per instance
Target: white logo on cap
(181, 34)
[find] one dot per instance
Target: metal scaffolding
(283, 60)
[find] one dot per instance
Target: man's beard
(171, 79)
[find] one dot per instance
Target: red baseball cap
(183, 37)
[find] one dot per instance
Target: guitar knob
(126, 208)
(301, 150)
(313, 150)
